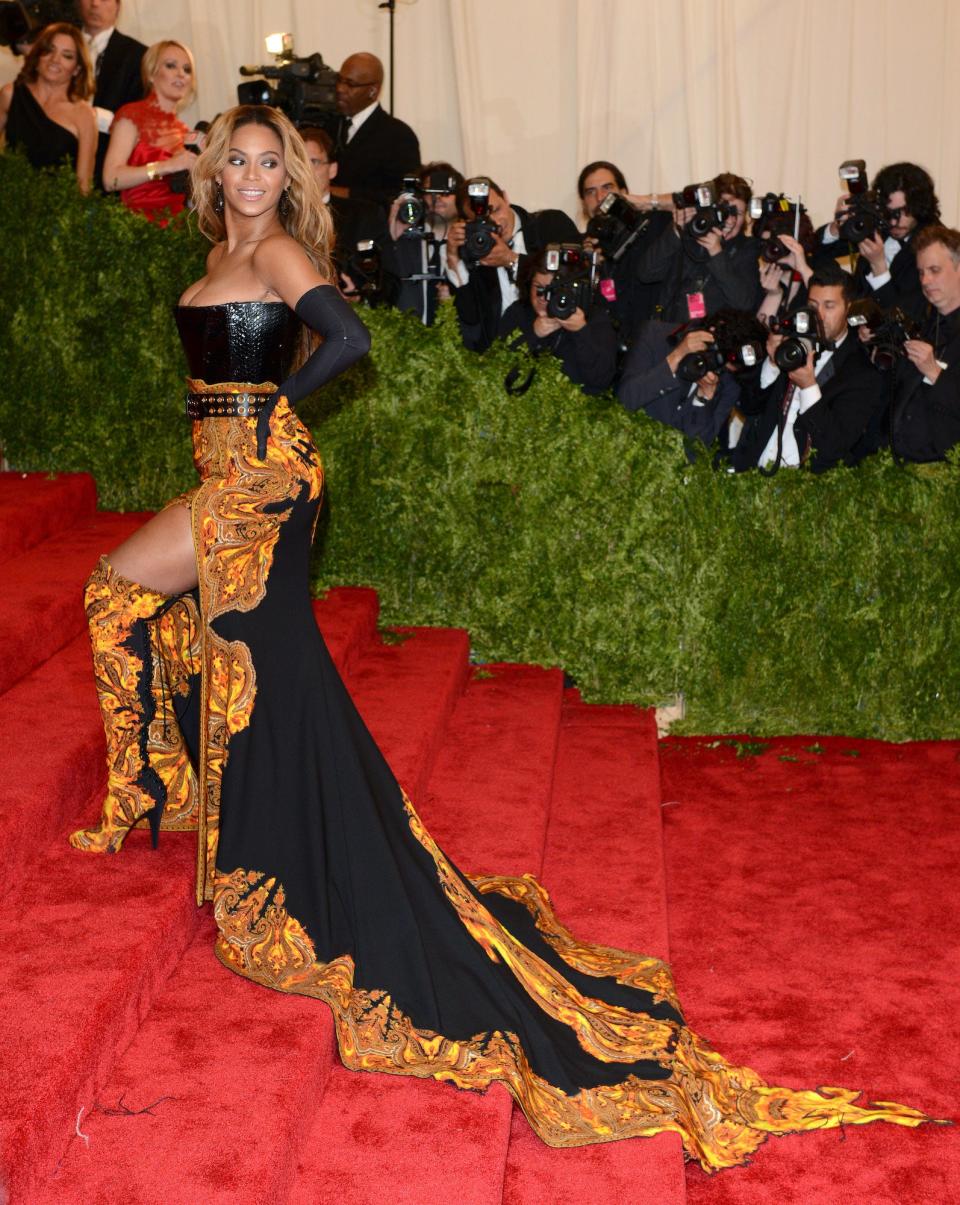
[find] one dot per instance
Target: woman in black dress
(45, 112)
(323, 879)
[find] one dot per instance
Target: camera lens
(791, 354)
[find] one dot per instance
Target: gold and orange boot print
(147, 763)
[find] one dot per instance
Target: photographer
(885, 262)
(819, 410)
(663, 374)
(629, 299)
(925, 422)
(701, 273)
(784, 265)
(486, 248)
(354, 219)
(584, 341)
(419, 221)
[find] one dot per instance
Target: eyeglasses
(352, 83)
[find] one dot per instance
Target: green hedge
(558, 529)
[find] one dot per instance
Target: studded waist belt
(227, 400)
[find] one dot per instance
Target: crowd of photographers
(721, 313)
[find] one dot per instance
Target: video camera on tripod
(305, 89)
(22, 20)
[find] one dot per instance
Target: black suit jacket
(833, 427)
(373, 163)
(648, 384)
(355, 220)
(478, 302)
(118, 83)
(681, 266)
(925, 422)
(588, 356)
(903, 287)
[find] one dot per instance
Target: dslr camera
(412, 211)
(772, 212)
(616, 226)
(710, 214)
(729, 350)
(889, 331)
(481, 231)
(571, 289)
(864, 216)
(803, 334)
(365, 269)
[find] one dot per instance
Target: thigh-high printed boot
(145, 653)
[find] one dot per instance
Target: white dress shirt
(96, 45)
(357, 120)
(801, 401)
(506, 277)
(890, 250)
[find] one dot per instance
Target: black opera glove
(345, 340)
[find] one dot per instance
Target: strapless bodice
(250, 341)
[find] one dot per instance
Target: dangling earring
(218, 201)
(284, 207)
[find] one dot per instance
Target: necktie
(347, 130)
(98, 64)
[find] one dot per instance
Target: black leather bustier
(249, 341)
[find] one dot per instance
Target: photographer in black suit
(885, 264)
(374, 150)
(925, 422)
(818, 412)
(420, 246)
(116, 62)
(354, 220)
(487, 287)
(698, 275)
(654, 381)
(584, 341)
(629, 299)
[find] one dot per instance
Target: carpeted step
(239, 1063)
(347, 617)
(604, 869)
(41, 591)
(84, 953)
(813, 895)
(51, 734)
(34, 506)
(487, 806)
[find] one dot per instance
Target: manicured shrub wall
(558, 529)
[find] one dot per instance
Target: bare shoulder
(84, 115)
(6, 95)
(283, 267)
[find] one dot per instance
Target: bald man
(375, 150)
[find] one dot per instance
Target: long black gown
(325, 882)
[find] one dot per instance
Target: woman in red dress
(147, 138)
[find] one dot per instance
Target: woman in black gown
(45, 112)
(323, 879)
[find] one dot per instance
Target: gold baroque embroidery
(237, 513)
(605, 1031)
(179, 648)
(633, 970)
(721, 1112)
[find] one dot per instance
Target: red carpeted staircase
(136, 1069)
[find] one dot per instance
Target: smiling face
(173, 78)
(734, 223)
(254, 175)
(60, 63)
(538, 298)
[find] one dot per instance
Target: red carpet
(813, 905)
(807, 906)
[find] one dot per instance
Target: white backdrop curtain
(528, 91)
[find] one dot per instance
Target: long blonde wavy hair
(307, 218)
